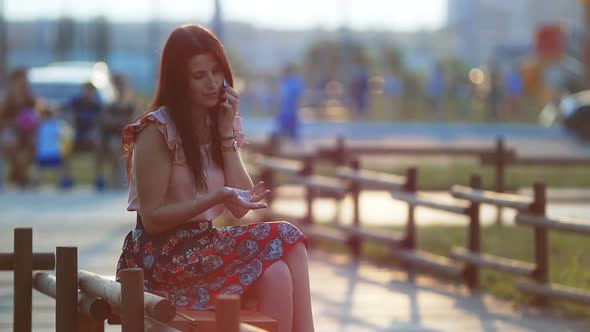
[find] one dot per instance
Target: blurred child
(291, 89)
(54, 145)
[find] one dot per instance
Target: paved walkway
(347, 296)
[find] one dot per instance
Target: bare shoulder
(151, 141)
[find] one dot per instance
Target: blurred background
(386, 62)
(450, 87)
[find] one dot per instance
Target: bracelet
(233, 148)
(227, 138)
(232, 136)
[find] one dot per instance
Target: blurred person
(494, 94)
(435, 90)
(54, 145)
(412, 95)
(18, 126)
(85, 109)
(514, 91)
(110, 124)
(359, 88)
(185, 170)
(394, 90)
(554, 81)
(2, 166)
(291, 88)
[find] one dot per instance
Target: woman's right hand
(239, 201)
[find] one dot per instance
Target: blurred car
(57, 83)
(573, 112)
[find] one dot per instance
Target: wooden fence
(84, 300)
(498, 155)
(463, 263)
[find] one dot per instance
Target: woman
(18, 126)
(185, 169)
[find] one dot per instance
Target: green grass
(442, 175)
(431, 175)
(453, 110)
(569, 262)
(83, 170)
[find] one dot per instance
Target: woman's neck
(202, 125)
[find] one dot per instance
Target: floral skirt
(191, 266)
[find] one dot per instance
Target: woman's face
(205, 80)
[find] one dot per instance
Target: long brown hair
(173, 92)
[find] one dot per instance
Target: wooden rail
(463, 262)
(156, 307)
(421, 199)
(371, 180)
(555, 291)
(96, 308)
(427, 261)
(561, 224)
(493, 262)
(492, 198)
(278, 164)
(41, 261)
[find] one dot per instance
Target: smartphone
(223, 87)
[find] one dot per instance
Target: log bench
(228, 317)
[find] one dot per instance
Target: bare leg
(275, 292)
(297, 262)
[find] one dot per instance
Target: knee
(277, 278)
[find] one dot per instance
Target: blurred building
(135, 47)
(490, 29)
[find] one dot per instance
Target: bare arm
(235, 172)
(152, 168)
(236, 175)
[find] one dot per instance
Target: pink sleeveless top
(181, 185)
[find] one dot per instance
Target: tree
(393, 59)
(102, 38)
(334, 60)
(64, 41)
(3, 46)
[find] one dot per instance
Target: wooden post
(66, 300)
(132, 300)
(88, 324)
(341, 156)
(474, 236)
(541, 239)
(310, 192)
(274, 145)
(227, 313)
(500, 165)
(411, 187)
(355, 240)
(23, 279)
(273, 148)
(541, 273)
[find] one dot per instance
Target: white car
(573, 112)
(57, 83)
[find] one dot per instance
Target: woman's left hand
(228, 110)
(239, 201)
